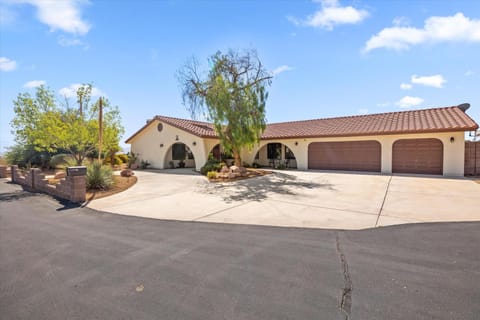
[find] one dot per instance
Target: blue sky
(330, 58)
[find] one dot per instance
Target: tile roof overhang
(445, 119)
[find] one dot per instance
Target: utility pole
(100, 128)
(81, 106)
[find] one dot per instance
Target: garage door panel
(345, 155)
(418, 156)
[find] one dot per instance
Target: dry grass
(120, 184)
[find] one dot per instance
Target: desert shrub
(255, 165)
(211, 165)
(26, 156)
(281, 166)
(99, 176)
(123, 157)
(212, 174)
(144, 164)
(132, 159)
(61, 161)
(116, 160)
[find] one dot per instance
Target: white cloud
(281, 69)
(435, 81)
(408, 101)
(363, 111)
(405, 86)
(332, 14)
(64, 15)
(7, 64)
(72, 42)
(383, 104)
(34, 83)
(71, 91)
(469, 73)
(454, 28)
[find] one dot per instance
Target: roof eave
(367, 134)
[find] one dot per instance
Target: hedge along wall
(72, 188)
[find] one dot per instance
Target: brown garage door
(418, 156)
(348, 155)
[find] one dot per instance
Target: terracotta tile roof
(414, 121)
(198, 128)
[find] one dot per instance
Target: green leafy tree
(232, 96)
(42, 122)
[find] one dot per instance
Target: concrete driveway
(311, 199)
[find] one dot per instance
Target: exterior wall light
(296, 143)
(194, 143)
(452, 139)
(161, 145)
(176, 138)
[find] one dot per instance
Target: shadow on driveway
(258, 189)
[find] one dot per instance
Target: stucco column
(301, 154)
(453, 154)
(386, 154)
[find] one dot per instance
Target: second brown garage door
(418, 156)
(347, 155)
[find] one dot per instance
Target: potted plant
(181, 164)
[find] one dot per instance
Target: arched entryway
(275, 155)
(179, 155)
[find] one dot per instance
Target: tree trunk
(237, 159)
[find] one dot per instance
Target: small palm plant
(99, 176)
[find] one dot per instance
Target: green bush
(99, 176)
(61, 161)
(123, 157)
(212, 174)
(211, 165)
(281, 166)
(144, 164)
(116, 160)
(26, 156)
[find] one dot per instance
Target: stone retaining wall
(72, 188)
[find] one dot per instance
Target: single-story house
(428, 141)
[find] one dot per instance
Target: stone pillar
(78, 188)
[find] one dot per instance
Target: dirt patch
(121, 184)
(251, 173)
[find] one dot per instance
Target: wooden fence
(472, 158)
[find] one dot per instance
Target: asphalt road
(59, 261)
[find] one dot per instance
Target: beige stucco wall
(453, 153)
(147, 145)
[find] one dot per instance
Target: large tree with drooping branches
(232, 95)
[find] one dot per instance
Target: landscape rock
(224, 169)
(59, 175)
(127, 173)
